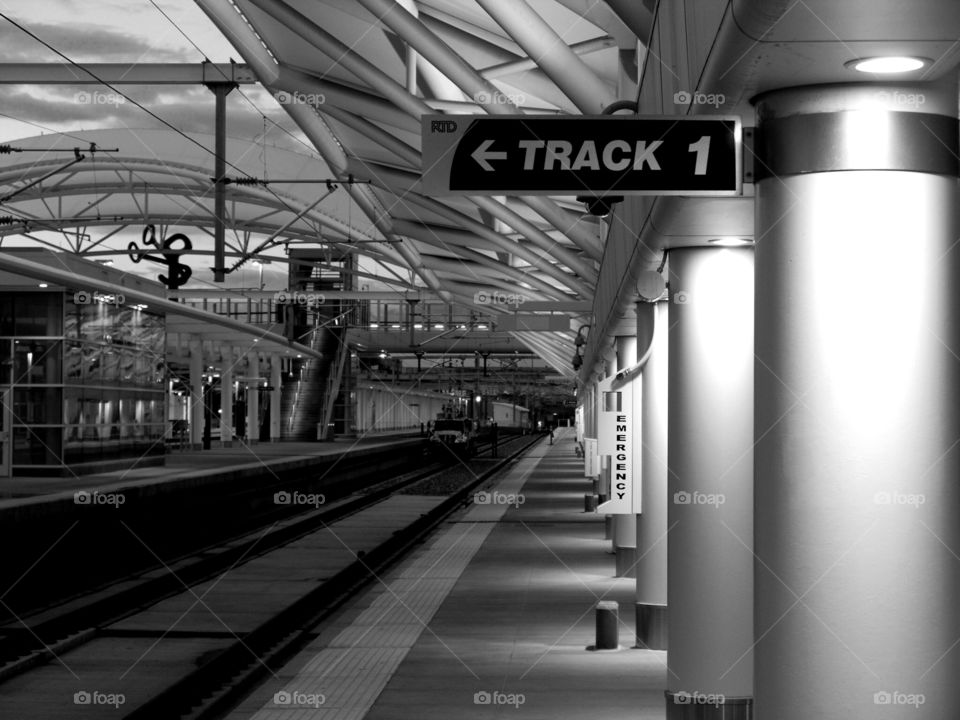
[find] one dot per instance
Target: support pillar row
(858, 403)
(710, 510)
(651, 596)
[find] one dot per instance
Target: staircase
(303, 397)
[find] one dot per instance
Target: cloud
(90, 107)
(84, 42)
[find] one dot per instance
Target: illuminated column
(858, 404)
(625, 526)
(196, 395)
(652, 522)
(226, 397)
(253, 398)
(275, 398)
(710, 488)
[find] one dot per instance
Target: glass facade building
(83, 376)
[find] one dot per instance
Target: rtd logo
(443, 126)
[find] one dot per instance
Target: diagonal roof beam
(577, 81)
(251, 47)
(330, 46)
(516, 66)
(399, 184)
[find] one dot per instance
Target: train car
(509, 417)
(456, 435)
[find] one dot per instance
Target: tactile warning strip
(343, 679)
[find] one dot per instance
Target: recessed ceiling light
(43, 285)
(887, 65)
(730, 241)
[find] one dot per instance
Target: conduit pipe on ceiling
(626, 375)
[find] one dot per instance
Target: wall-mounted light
(889, 65)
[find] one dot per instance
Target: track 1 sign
(580, 155)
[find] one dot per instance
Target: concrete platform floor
(492, 617)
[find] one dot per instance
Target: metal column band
(821, 142)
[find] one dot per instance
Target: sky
(127, 31)
(123, 31)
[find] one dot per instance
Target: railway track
(228, 672)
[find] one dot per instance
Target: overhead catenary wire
(137, 104)
(152, 114)
(148, 111)
(239, 90)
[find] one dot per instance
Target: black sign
(580, 155)
(178, 273)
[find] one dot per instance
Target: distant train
(509, 417)
(456, 435)
(462, 435)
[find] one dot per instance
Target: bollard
(589, 503)
(608, 626)
(608, 527)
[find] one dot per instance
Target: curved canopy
(353, 79)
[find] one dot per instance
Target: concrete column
(858, 404)
(196, 396)
(652, 522)
(253, 398)
(625, 526)
(710, 460)
(226, 398)
(275, 398)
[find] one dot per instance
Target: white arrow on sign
(483, 153)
